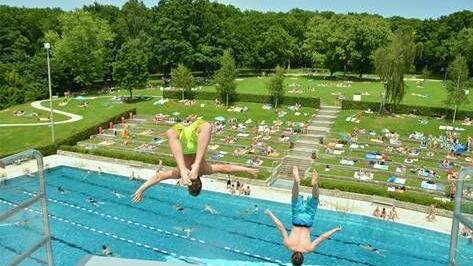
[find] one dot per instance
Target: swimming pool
(154, 229)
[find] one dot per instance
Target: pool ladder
(45, 240)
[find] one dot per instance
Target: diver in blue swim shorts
(303, 213)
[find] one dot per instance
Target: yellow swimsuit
(188, 135)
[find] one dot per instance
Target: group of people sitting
(383, 214)
(237, 188)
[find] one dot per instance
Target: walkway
(301, 154)
(37, 105)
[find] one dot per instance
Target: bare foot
(253, 172)
(184, 180)
(315, 178)
(194, 172)
(295, 174)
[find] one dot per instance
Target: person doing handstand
(188, 145)
(303, 213)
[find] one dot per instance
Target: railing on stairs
(274, 172)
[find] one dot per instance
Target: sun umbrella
(220, 118)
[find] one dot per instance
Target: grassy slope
(7, 117)
(314, 88)
(20, 138)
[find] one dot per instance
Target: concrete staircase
(301, 154)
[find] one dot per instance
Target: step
(318, 133)
(331, 107)
(307, 142)
(282, 183)
(328, 112)
(319, 116)
(326, 129)
(324, 122)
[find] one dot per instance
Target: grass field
(403, 124)
(7, 117)
(325, 90)
(20, 138)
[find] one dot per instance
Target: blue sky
(405, 8)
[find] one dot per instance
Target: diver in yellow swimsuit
(188, 145)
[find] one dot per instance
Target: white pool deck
(414, 218)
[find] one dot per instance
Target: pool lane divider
(139, 244)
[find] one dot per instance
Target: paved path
(37, 105)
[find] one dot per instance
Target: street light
(47, 46)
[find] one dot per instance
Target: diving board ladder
(45, 239)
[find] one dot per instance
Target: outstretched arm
(138, 195)
(279, 225)
(324, 237)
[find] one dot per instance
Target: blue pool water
(154, 229)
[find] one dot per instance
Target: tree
(225, 78)
(458, 73)
(276, 47)
(183, 79)
(130, 70)
(392, 62)
(81, 49)
(10, 94)
(276, 85)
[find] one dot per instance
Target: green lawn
(326, 90)
(7, 117)
(402, 124)
(19, 138)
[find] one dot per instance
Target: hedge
(408, 109)
(370, 189)
(81, 135)
(136, 156)
(243, 97)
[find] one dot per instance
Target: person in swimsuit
(188, 145)
(370, 247)
(303, 213)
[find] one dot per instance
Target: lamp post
(47, 46)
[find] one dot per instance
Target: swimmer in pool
(61, 190)
(117, 194)
(303, 213)
(188, 145)
(106, 251)
(369, 247)
(178, 207)
(209, 209)
(250, 211)
(94, 202)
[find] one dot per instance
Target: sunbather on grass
(188, 145)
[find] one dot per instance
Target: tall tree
(276, 86)
(130, 70)
(276, 47)
(225, 78)
(81, 49)
(458, 74)
(392, 62)
(182, 79)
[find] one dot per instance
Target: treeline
(100, 44)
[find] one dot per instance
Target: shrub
(407, 109)
(243, 97)
(370, 189)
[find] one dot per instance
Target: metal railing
(466, 174)
(274, 172)
(45, 241)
